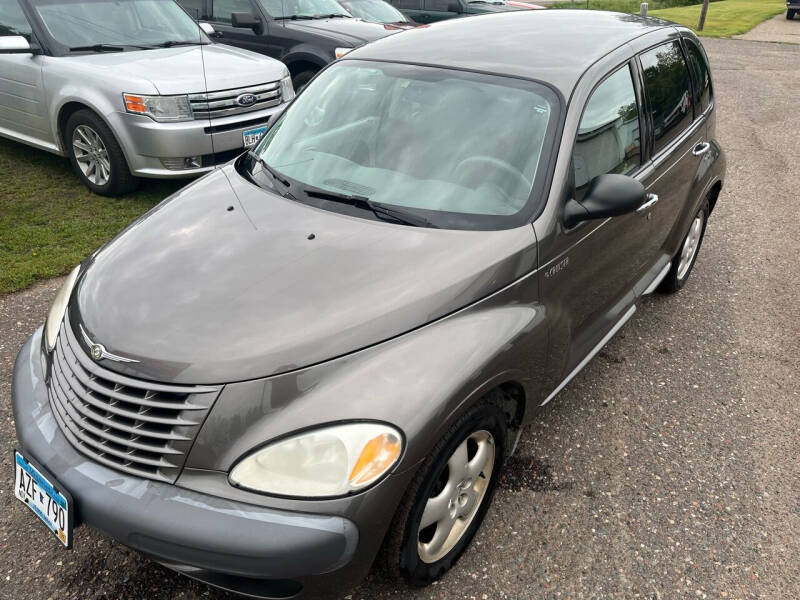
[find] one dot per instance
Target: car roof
(554, 46)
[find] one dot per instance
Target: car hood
(225, 281)
(189, 69)
(354, 32)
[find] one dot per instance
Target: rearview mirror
(454, 7)
(607, 195)
(14, 44)
(246, 21)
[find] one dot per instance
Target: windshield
(376, 11)
(125, 24)
(286, 9)
(455, 145)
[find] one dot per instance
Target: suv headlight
(159, 108)
(287, 89)
(58, 309)
(329, 461)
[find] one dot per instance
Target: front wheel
(96, 156)
(683, 261)
(448, 499)
(790, 14)
(301, 80)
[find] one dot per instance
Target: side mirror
(246, 21)
(207, 28)
(15, 44)
(455, 7)
(608, 195)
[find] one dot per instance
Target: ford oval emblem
(246, 99)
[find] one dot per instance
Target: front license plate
(46, 498)
(251, 136)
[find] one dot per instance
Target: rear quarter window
(700, 75)
(669, 92)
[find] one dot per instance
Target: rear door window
(608, 138)
(700, 75)
(669, 92)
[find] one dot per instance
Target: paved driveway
(668, 469)
(776, 29)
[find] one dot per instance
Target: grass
(725, 17)
(49, 221)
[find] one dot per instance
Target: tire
(301, 80)
(682, 264)
(96, 156)
(409, 552)
(790, 14)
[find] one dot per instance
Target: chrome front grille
(213, 105)
(136, 426)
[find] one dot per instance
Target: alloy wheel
(456, 497)
(91, 155)
(690, 245)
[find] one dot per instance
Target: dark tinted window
(221, 10)
(12, 19)
(666, 79)
(439, 5)
(700, 73)
(608, 136)
(194, 8)
(407, 4)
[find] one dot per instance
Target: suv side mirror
(608, 195)
(455, 7)
(246, 21)
(15, 44)
(207, 28)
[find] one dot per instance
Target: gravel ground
(667, 469)
(776, 29)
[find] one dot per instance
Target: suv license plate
(46, 498)
(251, 136)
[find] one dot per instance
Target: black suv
(429, 11)
(305, 34)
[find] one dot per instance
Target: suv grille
(136, 426)
(213, 105)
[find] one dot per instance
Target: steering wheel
(500, 166)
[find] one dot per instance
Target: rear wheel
(96, 156)
(683, 261)
(448, 499)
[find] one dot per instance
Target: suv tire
(683, 261)
(96, 156)
(409, 551)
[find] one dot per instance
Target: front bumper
(146, 142)
(259, 551)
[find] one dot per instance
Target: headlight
(57, 310)
(287, 89)
(330, 461)
(159, 108)
(340, 52)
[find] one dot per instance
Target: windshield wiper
(378, 208)
(295, 17)
(275, 175)
(171, 43)
(98, 48)
(332, 16)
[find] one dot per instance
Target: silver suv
(130, 89)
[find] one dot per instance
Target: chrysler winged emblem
(99, 352)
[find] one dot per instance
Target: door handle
(650, 201)
(701, 148)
